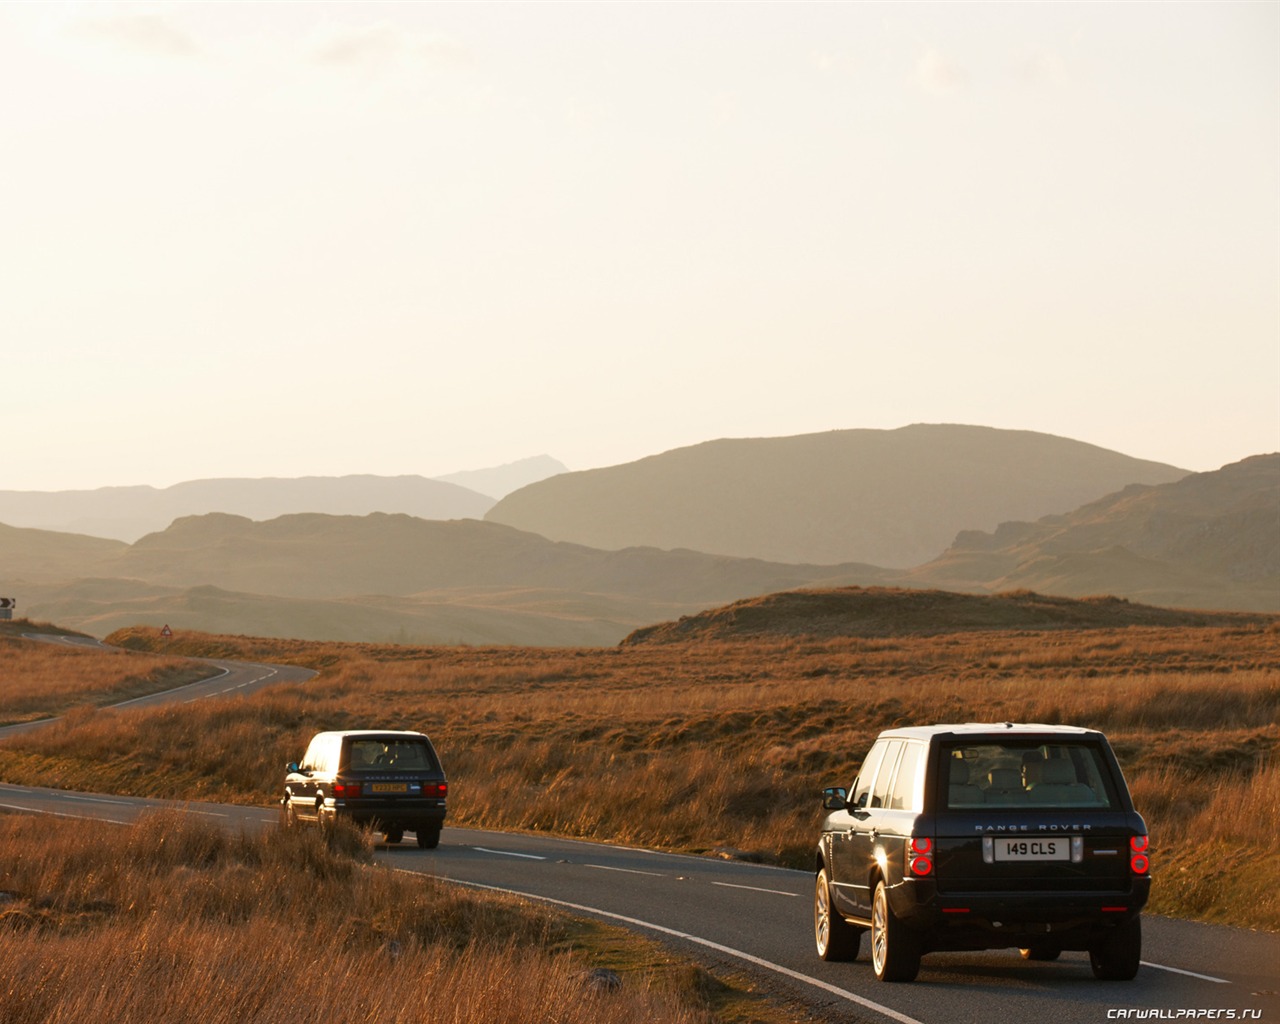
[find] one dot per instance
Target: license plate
(1055, 848)
(389, 787)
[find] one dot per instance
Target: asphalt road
(225, 678)
(758, 918)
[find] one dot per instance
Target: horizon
(327, 239)
(442, 476)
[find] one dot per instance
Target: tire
(288, 816)
(1041, 952)
(394, 835)
(1116, 957)
(835, 938)
(895, 948)
(429, 838)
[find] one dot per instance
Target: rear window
(390, 754)
(1023, 775)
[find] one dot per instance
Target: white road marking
(853, 997)
(1189, 974)
(93, 800)
(625, 871)
(508, 853)
(755, 888)
(63, 814)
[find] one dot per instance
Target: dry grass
(174, 919)
(38, 680)
(726, 744)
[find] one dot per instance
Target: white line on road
(93, 800)
(508, 853)
(853, 997)
(63, 814)
(1189, 974)
(755, 888)
(625, 871)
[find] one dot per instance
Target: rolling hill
(1209, 540)
(127, 513)
(893, 498)
(1205, 540)
(384, 577)
(884, 611)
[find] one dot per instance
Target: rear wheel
(394, 835)
(1116, 957)
(835, 937)
(895, 948)
(429, 838)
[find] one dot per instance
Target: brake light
(1139, 862)
(920, 855)
(346, 789)
(435, 788)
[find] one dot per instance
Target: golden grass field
(723, 745)
(40, 680)
(176, 919)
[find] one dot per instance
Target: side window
(880, 792)
(310, 760)
(904, 786)
(862, 785)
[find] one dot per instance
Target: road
(225, 678)
(758, 918)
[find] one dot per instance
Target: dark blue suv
(956, 837)
(391, 781)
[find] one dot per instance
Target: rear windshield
(389, 754)
(1025, 775)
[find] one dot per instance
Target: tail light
(346, 789)
(1139, 862)
(435, 789)
(920, 856)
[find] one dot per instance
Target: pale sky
(287, 239)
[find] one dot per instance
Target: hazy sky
(281, 239)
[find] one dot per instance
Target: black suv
(983, 837)
(390, 780)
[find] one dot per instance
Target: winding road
(758, 919)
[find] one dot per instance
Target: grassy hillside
(722, 744)
(886, 497)
(884, 612)
(177, 919)
(39, 680)
(1209, 540)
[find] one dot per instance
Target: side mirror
(834, 798)
(291, 767)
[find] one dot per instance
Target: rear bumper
(1001, 920)
(404, 814)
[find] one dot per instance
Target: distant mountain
(340, 556)
(127, 513)
(887, 497)
(39, 554)
(1209, 540)
(100, 607)
(881, 611)
(381, 577)
(500, 481)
